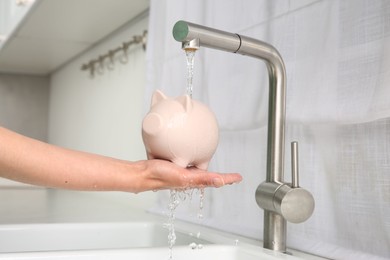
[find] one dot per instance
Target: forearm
(27, 160)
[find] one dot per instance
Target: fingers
(162, 174)
(225, 179)
(198, 178)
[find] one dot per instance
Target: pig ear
(157, 97)
(186, 102)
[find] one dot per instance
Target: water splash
(190, 54)
(177, 197)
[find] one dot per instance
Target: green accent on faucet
(180, 30)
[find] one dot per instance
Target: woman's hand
(160, 174)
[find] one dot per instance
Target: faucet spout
(190, 34)
(187, 32)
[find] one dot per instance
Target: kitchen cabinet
(42, 35)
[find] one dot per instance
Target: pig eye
(152, 124)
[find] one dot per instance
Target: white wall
(102, 114)
(24, 102)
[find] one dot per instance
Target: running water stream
(173, 203)
(190, 55)
(175, 199)
(177, 196)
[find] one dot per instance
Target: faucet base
(274, 232)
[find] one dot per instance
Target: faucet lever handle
(292, 202)
(294, 165)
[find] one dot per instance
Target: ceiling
(55, 31)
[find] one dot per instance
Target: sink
(87, 236)
(125, 240)
(208, 252)
(108, 229)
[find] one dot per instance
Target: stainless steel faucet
(281, 201)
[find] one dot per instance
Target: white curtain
(337, 55)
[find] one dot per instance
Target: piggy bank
(181, 130)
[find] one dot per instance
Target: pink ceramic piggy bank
(181, 130)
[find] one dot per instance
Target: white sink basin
(141, 236)
(135, 240)
(209, 252)
(87, 236)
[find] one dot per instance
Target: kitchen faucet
(281, 201)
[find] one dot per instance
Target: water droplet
(200, 246)
(236, 242)
(193, 245)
